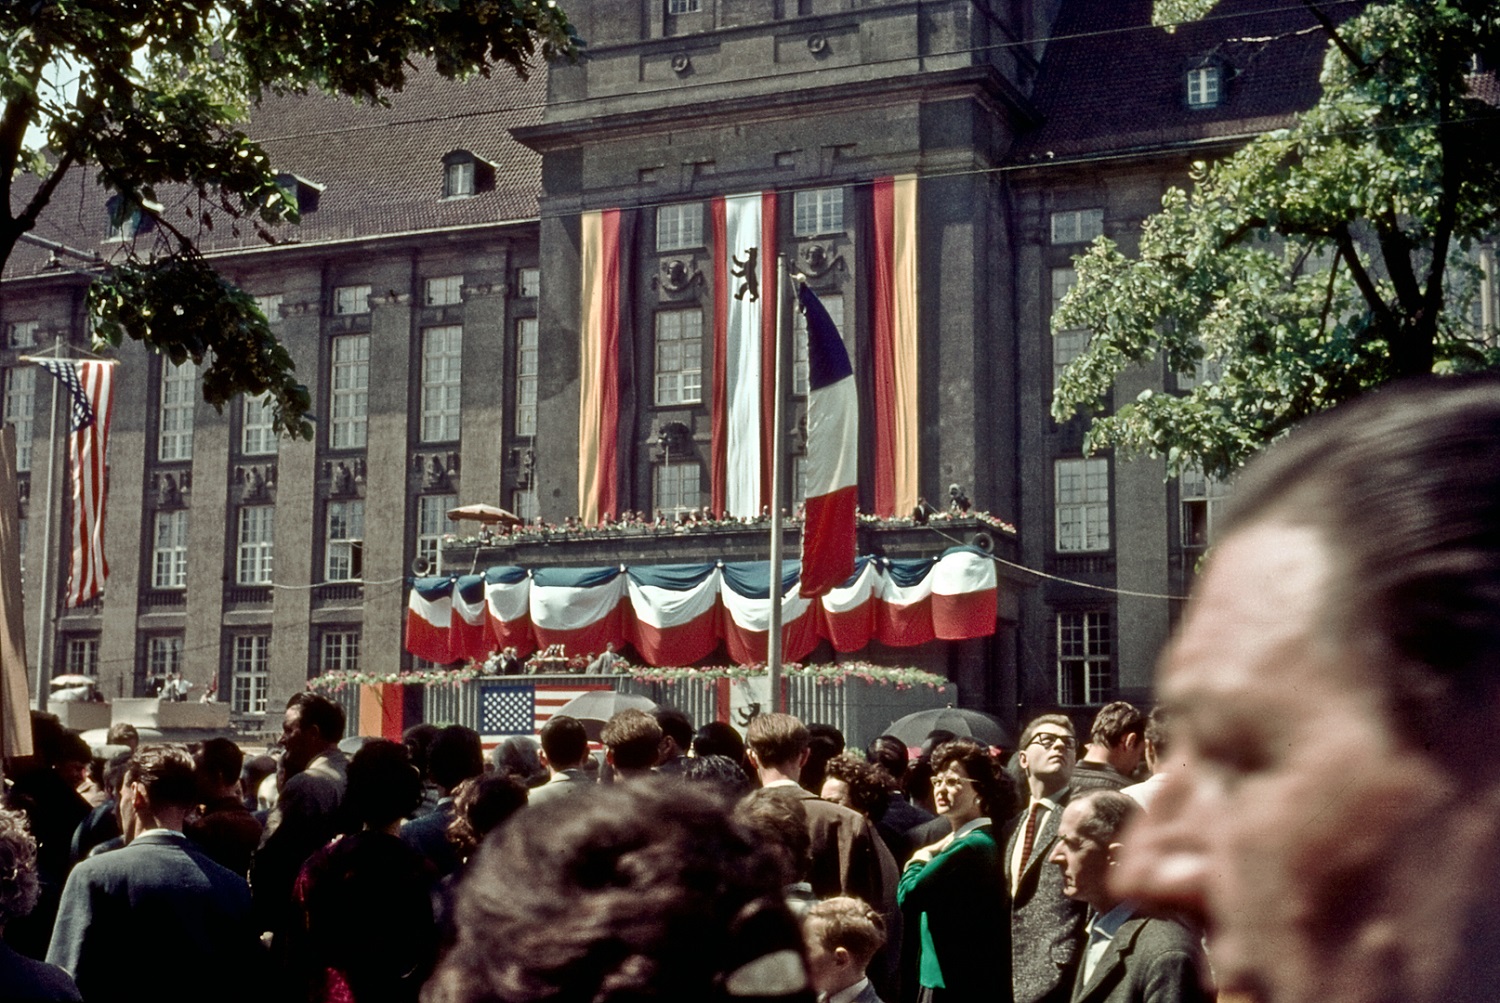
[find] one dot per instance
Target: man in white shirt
(1127, 958)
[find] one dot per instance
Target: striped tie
(1030, 838)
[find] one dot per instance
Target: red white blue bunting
(678, 614)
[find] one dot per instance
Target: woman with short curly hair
(22, 977)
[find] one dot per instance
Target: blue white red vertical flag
(91, 392)
(832, 454)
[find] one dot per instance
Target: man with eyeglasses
(1046, 926)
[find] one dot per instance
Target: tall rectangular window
(679, 357)
(256, 541)
(445, 290)
(1085, 658)
(20, 410)
(834, 304)
(1082, 504)
(432, 525)
(345, 541)
(81, 656)
(527, 360)
(163, 655)
(251, 674)
(350, 384)
(1077, 226)
(351, 299)
(458, 179)
(270, 305)
(528, 283)
(1069, 344)
(169, 553)
(817, 211)
(677, 486)
(442, 374)
(23, 333)
(257, 425)
(339, 652)
(1202, 499)
(679, 226)
(178, 396)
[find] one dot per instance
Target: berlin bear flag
(832, 454)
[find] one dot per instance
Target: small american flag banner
(91, 392)
(515, 708)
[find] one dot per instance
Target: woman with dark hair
(369, 935)
(23, 978)
(957, 884)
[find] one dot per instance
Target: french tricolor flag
(832, 454)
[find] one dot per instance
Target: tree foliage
(1314, 263)
(151, 97)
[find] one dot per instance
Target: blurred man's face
(301, 744)
(1293, 819)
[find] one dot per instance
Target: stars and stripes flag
(832, 454)
(518, 708)
(91, 392)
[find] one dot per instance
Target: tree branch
(1332, 31)
(1362, 279)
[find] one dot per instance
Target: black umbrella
(913, 728)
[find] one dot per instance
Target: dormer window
(305, 192)
(129, 219)
(1205, 86)
(465, 175)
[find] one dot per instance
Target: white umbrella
(485, 513)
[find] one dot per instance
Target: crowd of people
(1298, 821)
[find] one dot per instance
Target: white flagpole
(773, 633)
(45, 600)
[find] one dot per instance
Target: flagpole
(44, 598)
(773, 632)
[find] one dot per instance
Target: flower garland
(836, 674)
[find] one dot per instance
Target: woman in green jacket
(953, 892)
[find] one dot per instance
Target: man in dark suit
(565, 746)
(1046, 926)
(160, 886)
(1127, 958)
(848, 856)
(456, 754)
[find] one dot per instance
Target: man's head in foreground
(1088, 845)
(1330, 678)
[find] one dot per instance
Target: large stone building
(433, 299)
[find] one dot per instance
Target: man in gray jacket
(565, 747)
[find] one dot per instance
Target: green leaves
(1315, 263)
(180, 307)
(154, 95)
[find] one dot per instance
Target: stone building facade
(431, 299)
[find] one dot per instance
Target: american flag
(517, 708)
(90, 388)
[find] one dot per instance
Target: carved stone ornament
(677, 277)
(346, 478)
(820, 258)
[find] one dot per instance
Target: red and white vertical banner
(598, 366)
(743, 232)
(90, 387)
(895, 344)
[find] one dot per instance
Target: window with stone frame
(1076, 226)
(1085, 658)
(817, 211)
(678, 486)
(163, 656)
(81, 656)
(1201, 499)
(20, 410)
(349, 381)
(444, 290)
(1081, 501)
(432, 525)
(169, 550)
(256, 544)
(442, 382)
(679, 357)
(350, 300)
(179, 396)
(339, 651)
(344, 541)
(527, 370)
(679, 226)
(250, 673)
(258, 425)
